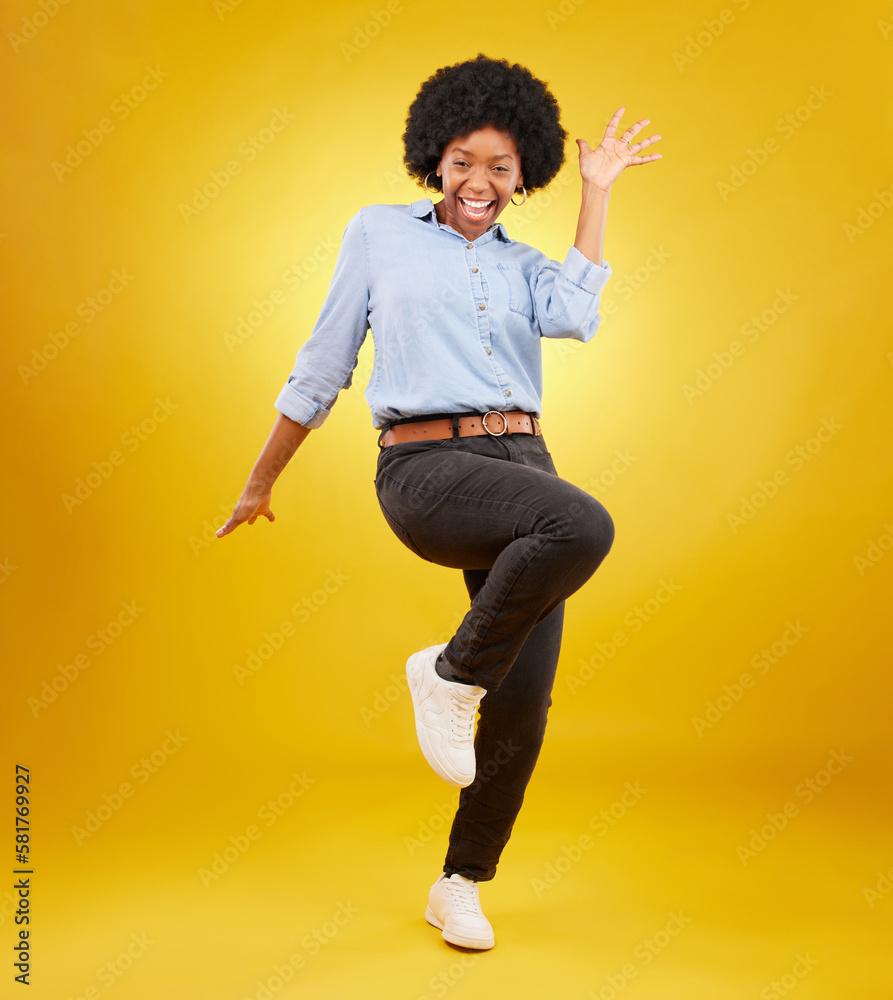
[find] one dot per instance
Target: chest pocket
(520, 299)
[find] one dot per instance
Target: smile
(476, 210)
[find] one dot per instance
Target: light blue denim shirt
(456, 325)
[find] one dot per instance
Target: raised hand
(602, 166)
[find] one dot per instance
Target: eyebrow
(467, 152)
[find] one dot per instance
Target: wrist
(592, 190)
(261, 479)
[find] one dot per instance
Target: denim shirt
(456, 325)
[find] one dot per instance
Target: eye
(460, 163)
(504, 169)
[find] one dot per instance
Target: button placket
(479, 294)
(479, 290)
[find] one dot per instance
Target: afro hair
(462, 98)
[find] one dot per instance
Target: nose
(478, 182)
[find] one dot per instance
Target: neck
(440, 212)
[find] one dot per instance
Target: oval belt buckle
(505, 423)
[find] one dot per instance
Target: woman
(464, 478)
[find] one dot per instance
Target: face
(480, 172)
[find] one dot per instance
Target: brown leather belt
(493, 422)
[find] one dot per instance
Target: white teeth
(483, 207)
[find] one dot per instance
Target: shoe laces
(462, 717)
(464, 896)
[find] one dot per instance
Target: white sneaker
(444, 717)
(454, 907)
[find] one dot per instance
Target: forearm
(284, 440)
(590, 238)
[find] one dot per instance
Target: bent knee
(592, 529)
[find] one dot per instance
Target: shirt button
(489, 351)
(469, 246)
(507, 392)
(482, 306)
(474, 270)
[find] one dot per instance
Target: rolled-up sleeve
(325, 362)
(566, 297)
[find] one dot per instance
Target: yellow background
(692, 263)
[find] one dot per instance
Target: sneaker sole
(479, 944)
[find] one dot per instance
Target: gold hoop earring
(427, 189)
(518, 204)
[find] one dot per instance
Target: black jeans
(526, 540)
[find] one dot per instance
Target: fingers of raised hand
(634, 129)
(645, 143)
(614, 122)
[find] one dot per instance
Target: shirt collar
(424, 209)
